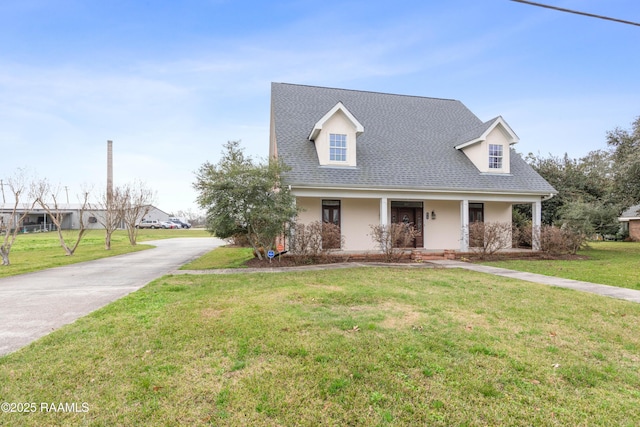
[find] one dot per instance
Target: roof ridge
(367, 91)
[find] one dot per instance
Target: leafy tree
(244, 198)
(587, 182)
(591, 218)
(592, 190)
(626, 158)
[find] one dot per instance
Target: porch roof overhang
(418, 193)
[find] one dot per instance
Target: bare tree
(47, 198)
(108, 211)
(11, 225)
(136, 203)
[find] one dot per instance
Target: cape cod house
(360, 158)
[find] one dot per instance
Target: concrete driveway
(35, 304)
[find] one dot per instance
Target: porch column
(536, 224)
(464, 225)
(384, 217)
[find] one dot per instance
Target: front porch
(441, 221)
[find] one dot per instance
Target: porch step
(419, 255)
(414, 255)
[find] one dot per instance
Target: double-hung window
(337, 147)
(495, 156)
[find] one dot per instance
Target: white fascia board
(468, 143)
(414, 194)
(338, 107)
(511, 135)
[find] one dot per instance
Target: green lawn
(609, 263)
(221, 257)
(38, 251)
(370, 347)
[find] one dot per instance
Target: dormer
(334, 136)
(488, 146)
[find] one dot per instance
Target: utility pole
(66, 189)
(2, 186)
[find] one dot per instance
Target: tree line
(592, 190)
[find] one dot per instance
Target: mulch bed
(296, 261)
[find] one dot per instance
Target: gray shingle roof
(408, 142)
(632, 212)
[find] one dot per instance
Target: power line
(592, 15)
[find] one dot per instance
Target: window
(495, 156)
(337, 147)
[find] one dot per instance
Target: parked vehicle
(180, 223)
(169, 224)
(149, 223)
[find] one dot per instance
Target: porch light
(433, 214)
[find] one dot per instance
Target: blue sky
(171, 81)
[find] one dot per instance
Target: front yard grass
(338, 347)
(38, 251)
(607, 263)
(221, 257)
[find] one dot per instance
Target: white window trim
(493, 158)
(335, 149)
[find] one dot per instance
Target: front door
(331, 215)
(410, 214)
(476, 215)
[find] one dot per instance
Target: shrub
(331, 237)
(486, 238)
(561, 240)
(522, 235)
(315, 239)
(392, 239)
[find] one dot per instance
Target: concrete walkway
(605, 290)
(35, 304)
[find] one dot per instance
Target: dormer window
(488, 146)
(335, 135)
(337, 147)
(495, 156)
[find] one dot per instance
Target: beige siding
(357, 217)
(310, 209)
(444, 231)
(500, 213)
(497, 212)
